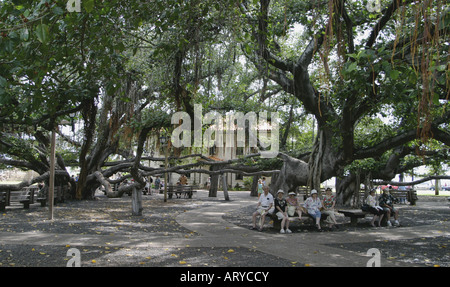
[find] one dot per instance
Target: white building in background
(229, 147)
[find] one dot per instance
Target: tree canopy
(359, 90)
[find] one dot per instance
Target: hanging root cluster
(315, 163)
(425, 43)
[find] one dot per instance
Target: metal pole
(51, 189)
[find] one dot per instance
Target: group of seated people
(385, 207)
(315, 207)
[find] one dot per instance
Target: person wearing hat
(328, 203)
(293, 205)
(313, 205)
(281, 211)
(265, 203)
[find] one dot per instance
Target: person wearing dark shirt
(281, 211)
(386, 201)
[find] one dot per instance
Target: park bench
(403, 196)
(24, 196)
(277, 222)
(3, 196)
(58, 195)
(185, 190)
(354, 214)
(303, 192)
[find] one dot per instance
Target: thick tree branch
(384, 19)
(25, 183)
(387, 144)
(428, 178)
(440, 135)
(16, 163)
(307, 55)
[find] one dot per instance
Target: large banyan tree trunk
(293, 173)
(311, 170)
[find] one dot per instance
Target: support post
(225, 187)
(166, 163)
(51, 189)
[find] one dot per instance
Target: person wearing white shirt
(374, 208)
(264, 206)
(313, 205)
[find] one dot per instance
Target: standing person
(147, 188)
(328, 203)
(386, 201)
(374, 208)
(313, 205)
(281, 211)
(264, 206)
(260, 187)
(157, 183)
(150, 185)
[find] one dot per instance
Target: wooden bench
(3, 196)
(59, 195)
(354, 214)
(303, 191)
(24, 196)
(186, 190)
(409, 195)
(277, 222)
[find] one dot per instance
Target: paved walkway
(311, 248)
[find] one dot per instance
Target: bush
(248, 182)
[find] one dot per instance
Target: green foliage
(180, 53)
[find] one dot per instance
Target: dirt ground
(106, 216)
